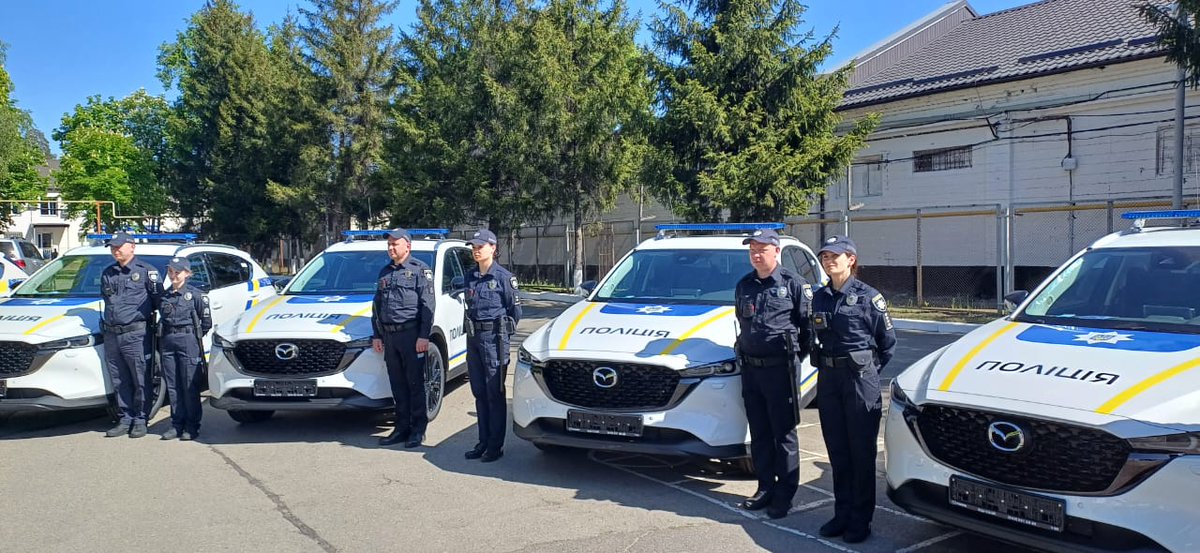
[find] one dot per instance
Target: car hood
(336, 316)
(37, 320)
(1077, 373)
(671, 334)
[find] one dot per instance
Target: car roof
(710, 242)
(1151, 237)
(161, 248)
(419, 244)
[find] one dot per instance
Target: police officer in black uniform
(402, 318)
(493, 310)
(186, 318)
(772, 303)
(857, 339)
(131, 292)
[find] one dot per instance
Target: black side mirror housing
(458, 285)
(1015, 298)
(280, 282)
(587, 287)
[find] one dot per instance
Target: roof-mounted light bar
(436, 233)
(730, 228)
(188, 237)
(1139, 218)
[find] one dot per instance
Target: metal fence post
(920, 272)
(1109, 210)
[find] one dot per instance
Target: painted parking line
(929, 542)
(877, 506)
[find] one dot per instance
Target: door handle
(216, 305)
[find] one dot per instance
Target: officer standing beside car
(493, 310)
(857, 340)
(131, 292)
(186, 318)
(772, 314)
(402, 318)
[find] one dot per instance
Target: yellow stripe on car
(38, 326)
(254, 321)
(567, 335)
(1140, 388)
(679, 341)
(361, 312)
(958, 367)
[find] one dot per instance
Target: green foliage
(22, 150)
(1177, 33)
(748, 124)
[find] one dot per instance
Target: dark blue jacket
(404, 293)
(493, 295)
(186, 307)
(857, 320)
(768, 309)
(131, 293)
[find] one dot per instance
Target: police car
(646, 363)
(10, 276)
(1074, 423)
(310, 348)
(51, 346)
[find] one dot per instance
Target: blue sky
(62, 51)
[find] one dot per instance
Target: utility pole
(1180, 90)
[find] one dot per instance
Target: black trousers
(766, 393)
(406, 373)
(850, 404)
(181, 358)
(127, 358)
(487, 367)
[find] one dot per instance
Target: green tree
(1177, 32)
(748, 121)
(22, 150)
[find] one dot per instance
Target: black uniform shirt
(769, 308)
(404, 293)
(186, 307)
(131, 293)
(857, 320)
(493, 295)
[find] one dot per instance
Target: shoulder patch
(513, 280)
(204, 298)
(879, 303)
(808, 293)
(428, 274)
(153, 274)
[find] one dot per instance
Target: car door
(452, 310)
(796, 260)
(229, 285)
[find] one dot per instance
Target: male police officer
(493, 310)
(772, 303)
(402, 319)
(185, 320)
(131, 292)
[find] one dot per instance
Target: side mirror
(458, 285)
(586, 288)
(280, 282)
(1015, 298)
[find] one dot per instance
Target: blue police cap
(483, 236)
(399, 233)
(119, 239)
(838, 244)
(179, 264)
(765, 236)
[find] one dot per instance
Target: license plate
(1032, 510)
(3, 388)
(285, 388)
(603, 423)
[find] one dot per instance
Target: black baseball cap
(399, 233)
(483, 236)
(119, 239)
(766, 236)
(838, 244)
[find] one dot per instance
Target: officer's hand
(422, 345)
(377, 345)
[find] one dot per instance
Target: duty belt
(837, 361)
(178, 329)
(777, 361)
(494, 324)
(400, 327)
(122, 329)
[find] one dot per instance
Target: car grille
(313, 357)
(16, 359)
(1055, 457)
(637, 386)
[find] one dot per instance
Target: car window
(466, 259)
(350, 272)
(227, 270)
(200, 277)
(77, 275)
(680, 276)
(452, 268)
(788, 260)
(9, 249)
(807, 265)
(29, 251)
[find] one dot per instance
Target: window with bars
(943, 159)
(49, 208)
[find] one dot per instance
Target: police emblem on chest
(491, 285)
(781, 292)
(852, 299)
(135, 277)
(187, 296)
(408, 275)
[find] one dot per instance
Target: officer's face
(122, 253)
(764, 257)
(177, 277)
(837, 263)
(398, 249)
(483, 253)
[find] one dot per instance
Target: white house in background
(45, 223)
(1055, 101)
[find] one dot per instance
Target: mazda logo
(605, 377)
(1006, 436)
(286, 351)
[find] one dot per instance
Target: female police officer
(857, 340)
(493, 309)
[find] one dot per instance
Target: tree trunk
(577, 266)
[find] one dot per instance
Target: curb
(934, 326)
(550, 296)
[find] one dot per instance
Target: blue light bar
(1166, 214)
(151, 237)
(374, 233)
(721, 226)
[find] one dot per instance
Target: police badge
(852, 299)
(513, 280)
(781, 292)
(807, 291)
(135, 277)
(187, 296)
(408, 274)
(879, 303)
(153, 275)
(428, 274)
(491, 285)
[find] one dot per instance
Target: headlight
(901, 398)
(523, 356)
(724, 368)
(85, 341)
(221, 342)
(362, 343)
(1183, 444)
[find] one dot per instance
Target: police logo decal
(808, 293)
(153, 275)
(831, 240)
(428, 274)
(513, 280)
(879, 303)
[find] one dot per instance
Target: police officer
(857, 340)
(493, 310)
(185, 320)
(772, 303)
(402, 319)
(131, 291)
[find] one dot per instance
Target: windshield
(676, 276)
(77, 276)
(345, 272)
(1154, 289)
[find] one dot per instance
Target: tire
(250, 417)
(435, 380)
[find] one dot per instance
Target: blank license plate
(1032, 510)
(285, 388)
(3, 388)
(603, 423)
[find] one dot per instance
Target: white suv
(310, 349)
(10, 276)
(646, 363)
(1074, 423)
(51, 346)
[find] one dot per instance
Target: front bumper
(1159, 514)
(66, 379)
(362, 385)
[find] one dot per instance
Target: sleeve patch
(808, 293)
(514, 283)
(153, 274)
(879, 303)
(428, 274)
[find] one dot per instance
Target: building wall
(62, 233)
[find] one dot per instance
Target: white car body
(683, 398)
(1096, 418)
(10, 276)
(51, 352)
(331, 333)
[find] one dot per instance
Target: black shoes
(475, 452)
(414, 441)
(189, 436)
(138, 430)
(489, 456)
(118, 430)
(170, 434)
(395, 437)
(778, 512)
(755, 502)
(833, 529)
(856, 535)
